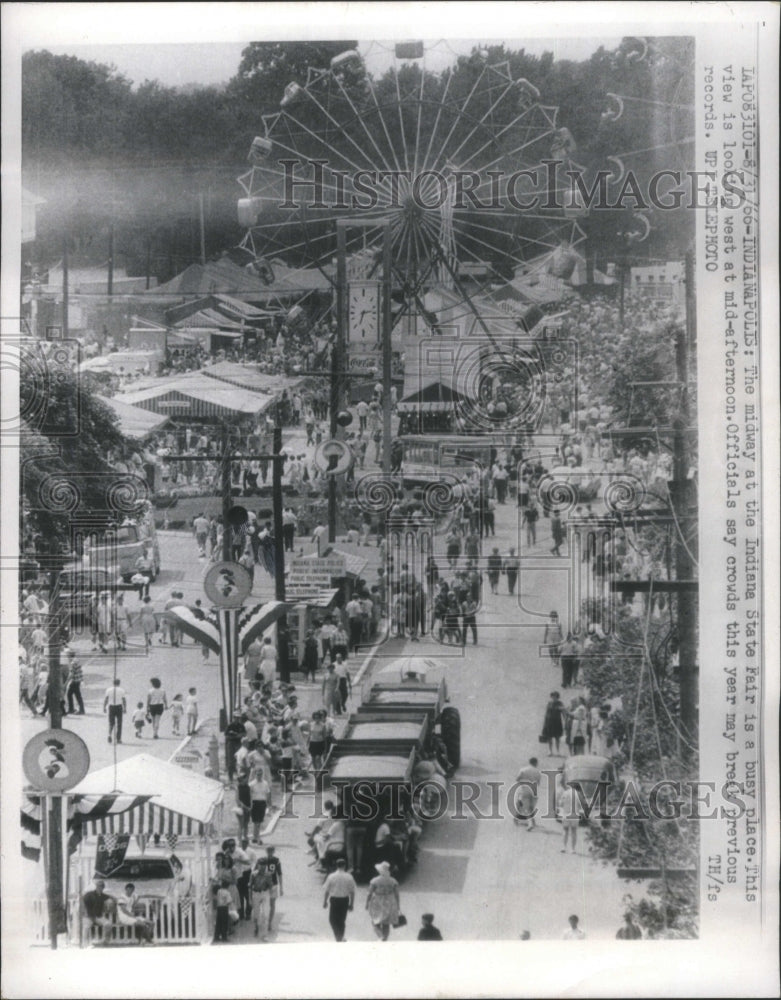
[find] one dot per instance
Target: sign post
(54, 761)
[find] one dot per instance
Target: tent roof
(213, 277)
(134, 421)
(243, 309)
(223, 277)
(208, 319)
(209, 392)
(432, 390)
(174, 788)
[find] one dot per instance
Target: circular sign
(227, 585)
(333, 457)
(55, 760)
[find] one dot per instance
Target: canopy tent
(432, 395)
(196, 395)
(179, 801)
(122, 361)
(209, 319)
(135, 422)
(215, 277)
(241, 310)
(223, 277)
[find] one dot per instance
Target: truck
(129, 540)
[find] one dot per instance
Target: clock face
(364, 313)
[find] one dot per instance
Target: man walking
(115, 703)
(339, 896)
(511, 567)
(469, 619)
(75, 677)
(268, 875)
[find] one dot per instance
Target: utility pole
(52, 804)
(337, 357)
(279, 555)
(65, 289)
(111, 259)
(202, 228)
(227, 496)
(386, 328)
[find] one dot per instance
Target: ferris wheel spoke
(464, 105)
(342, 130)
(420, 112)
(494, 137)
(508, 154)
(402, 130)
(357, 167)
(384, 125)
(440, 105)
(526, 238)
(359, 118)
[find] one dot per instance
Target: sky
(205, 63)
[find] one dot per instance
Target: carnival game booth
(163, 845)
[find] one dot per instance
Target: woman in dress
(553, 725)
(383, 901)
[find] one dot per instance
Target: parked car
(155, 876)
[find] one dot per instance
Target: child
(148, 621)
(177, 711)
(139, 718)
(191, 711)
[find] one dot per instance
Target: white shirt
(115, 695)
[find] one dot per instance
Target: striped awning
(176, 800)
(82, 811)
(150, 819)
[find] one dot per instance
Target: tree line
(103, 152)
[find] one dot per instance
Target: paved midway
(486, 879)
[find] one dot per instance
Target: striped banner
(78, 812)
(228, 619)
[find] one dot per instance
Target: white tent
(182, 802)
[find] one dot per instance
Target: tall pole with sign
(387, 327)
(337, 355)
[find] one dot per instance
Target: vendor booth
(163, 845)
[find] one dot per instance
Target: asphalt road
(483, 878)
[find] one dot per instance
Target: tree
(69, 477)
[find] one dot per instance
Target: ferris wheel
(453, 161)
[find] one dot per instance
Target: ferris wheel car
(264, 270)
(260, 149)
(563, 143)
(292, 92)
(350, 60)
(249, 211)
(527, 93)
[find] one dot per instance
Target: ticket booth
(302, 617)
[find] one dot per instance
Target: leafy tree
(78, 462)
